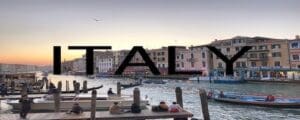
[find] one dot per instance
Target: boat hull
(259, 103)
(85, 104)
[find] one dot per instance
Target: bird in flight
(97, 20)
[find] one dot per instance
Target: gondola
(259, 101)
(130, 85)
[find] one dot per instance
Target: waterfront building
(200, 59)
(79, 66)
(104, 62)
(17, 68)
(294, 49)
(265, 53)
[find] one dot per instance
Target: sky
(29, 29)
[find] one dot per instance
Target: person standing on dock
(3, 90)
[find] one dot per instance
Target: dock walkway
(100, 115)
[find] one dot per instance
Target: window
(263, 47)
(177, 65)
(253, 64)
(203, 55)
(220, 65)
(277, 63)
(295, 57)
(264, 63)
(162, 59)
(294, 45)
(177, 57)
(276, 54)
(163, 65)
(204, 64)
(181, 56)
(162, 53)
(192, 64)
(238, 64)
(182, 64)
(275, 46)
(243, 64)
(237, 48)
(263, 55)
(192, 55)
(228, 49)
(253, 55)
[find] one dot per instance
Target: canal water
(191, 99)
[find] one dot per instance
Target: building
(104, 62)
(17, 68)
(294, 49)
(79, 66)
(200, 59)
(266, 52)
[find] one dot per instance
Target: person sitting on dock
(110, 92)
(175, 108)
(270, 98)
(115, 109)
(76, 109)
(163, 107)
(51, 88)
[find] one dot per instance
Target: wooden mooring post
(74, 85)
(136, 96)
(178, 92)
(47, 83)
(56, 97)
(77, 87)
(67, 86)
(84, 87)
(59, 85)
(24, 94)
(13, 85)
(119, 89)
(93, 105)
(204, 105)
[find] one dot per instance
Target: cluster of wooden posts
(136, 97)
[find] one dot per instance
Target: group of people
(3, 89)
(163, 107)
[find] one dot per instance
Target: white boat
(200, 78)
(42, 104)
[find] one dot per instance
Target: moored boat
(66, 104)
(130, 85)
(259, 101)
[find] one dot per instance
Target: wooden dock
(100, 115)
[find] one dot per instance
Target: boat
(42, 104)
(259, 101)
(130, 85)
(199, 78)
(229, 80)
(45, 92)
(154, 82)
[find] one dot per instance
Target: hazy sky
(29, 29)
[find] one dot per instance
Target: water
(191, 99)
